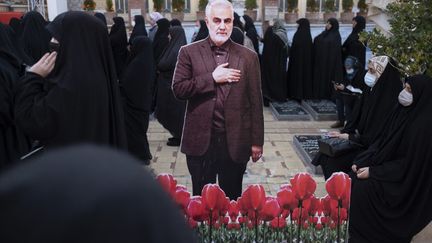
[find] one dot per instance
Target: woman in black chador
(382, 86)
(202, 32)
(34, 37)
(391, 194)
(352, 45)
(139, 28)
(274, 63)
(118, 39)
(251, 32)
(327, 60)
(87, 193)
(79, 101)
(13, 143)
(300, 63)
(136, 87)
(160, 41)
(169, 110)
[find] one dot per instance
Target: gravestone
(321, 110)
(306, 147)
(289, 111)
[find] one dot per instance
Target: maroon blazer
(193, 81)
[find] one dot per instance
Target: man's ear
(206, 20)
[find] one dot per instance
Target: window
(121, 6)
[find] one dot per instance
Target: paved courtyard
(279, 162)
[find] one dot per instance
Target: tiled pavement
(278, 164)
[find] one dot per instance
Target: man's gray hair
(213, 3)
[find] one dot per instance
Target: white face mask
(350, 71)
(370, 79)
(405, 98)
(197, 28)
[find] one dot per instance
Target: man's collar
(225, 46)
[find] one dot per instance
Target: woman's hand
(354, 168)
(338, 135)
(363, 173)
(45, 65)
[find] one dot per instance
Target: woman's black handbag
(335, 147)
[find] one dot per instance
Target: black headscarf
(251, 32)
(393, 204)
(87, 194)
(203, 31)
(139, 29)
(237, 35)
(175, 22)
(300, 63)
(168, 59)
(83, 104)
(352, 45)
(118, 39)
(160, 41)
(35, 38)
(237, 22)
(15, 46)
(328, 63)
(137, 86)
(16, 25)
(101, 17)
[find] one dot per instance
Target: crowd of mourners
(74, 80)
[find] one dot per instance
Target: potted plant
(89, 5)
(109, 14)
(347, 14)
(201, 9)
(291, 15)
(363, 7)
(312, 11)
(177, 9)
(158, 5)
(250, 6)
(330, 9)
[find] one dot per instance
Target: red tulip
(278, 223)
(296, 213)
(233, 210)
(233, 226)
(241, 219)
(314, 220)
(305, 225)
(182, 198)
(255, 197)
(242, 205)
(270, 210)
(196, 209)
(303, 186)
(223, 204)
(216, 225)
(211, 196)
(285, 186)
(181, 187)
(324, 220)
(167, 182)
(285, 213)
(343, 216)
(338, 185)
(328, 204)
(316, 206)
(286, 198)
(319, 226)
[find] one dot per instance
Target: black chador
(136, 87)
(118, 39)
(274, 63)
(80, 101)
(300, 63)
(34, 37)
(13, 142)
(169, 110)
(139, 28)
(327, 61)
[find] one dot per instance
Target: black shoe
(174, 142)
(171, 139)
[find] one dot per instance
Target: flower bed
(294, 215)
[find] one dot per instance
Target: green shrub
(311, 6)
(158, 5)
(347, 5)
(178, 5)
(292, 5)
(202, 5)
(330, 6)
(250, 4)
(109, 6)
